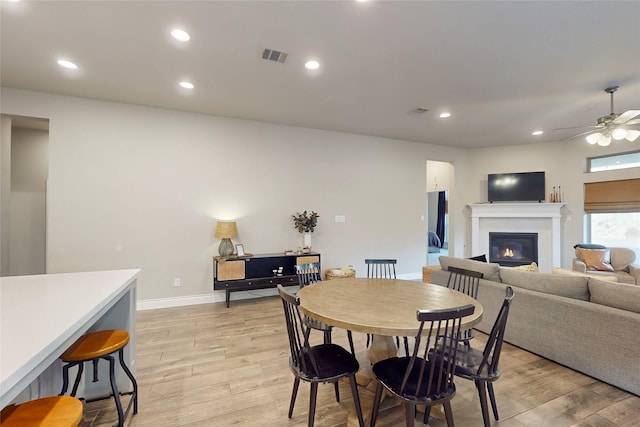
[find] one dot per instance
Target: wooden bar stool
(91, 348)
(57, 411)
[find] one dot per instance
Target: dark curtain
(442, 205)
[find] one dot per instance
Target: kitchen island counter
(41, 315)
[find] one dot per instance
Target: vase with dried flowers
(305, 223)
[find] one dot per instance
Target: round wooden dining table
(385, 308)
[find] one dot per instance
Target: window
(616, 230)
(613, 213)
(618, 161)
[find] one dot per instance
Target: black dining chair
(483, 367)
(309, 274)
(384, 269)
(467, 282)
(417, 379)
(323, 363)
(381, 268)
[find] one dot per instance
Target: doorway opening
(25, 169)
(439, 184)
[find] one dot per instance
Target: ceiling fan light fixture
(604, 140)
(593, 138)
(632, 135)
(619, 133)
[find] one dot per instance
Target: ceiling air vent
(274, 55)
(419, 111)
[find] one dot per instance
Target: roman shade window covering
(612, 196)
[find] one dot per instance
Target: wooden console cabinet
(256, 272)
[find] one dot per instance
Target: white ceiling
(503, 69)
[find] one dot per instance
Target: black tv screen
(516, 187)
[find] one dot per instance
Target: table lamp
(226, 230)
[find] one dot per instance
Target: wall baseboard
(152, 304)
(216, 296)
(219, 296)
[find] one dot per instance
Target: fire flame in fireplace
(508, 253)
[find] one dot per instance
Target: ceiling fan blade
(633, 122)
(579, 127)
(577, 136)
(625, 117)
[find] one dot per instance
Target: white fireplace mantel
(521, 215)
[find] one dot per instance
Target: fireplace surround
(541, 218)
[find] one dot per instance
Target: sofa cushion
(617, 295)
(595, 259)
(621, 276)
(490, 270)
(566, 286)
(608, 277)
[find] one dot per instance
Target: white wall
(138, 187)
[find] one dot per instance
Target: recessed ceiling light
(445, 115)
(536, 133)
(67, 64)
(312, 65)
(181, 35)
(186, 85)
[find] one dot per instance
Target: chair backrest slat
(434, 376)
(381, 268)
(308, 274)
(465, 281)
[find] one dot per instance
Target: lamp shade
(226, 230)
(604, 140)
(619, 133)
(593, 138)
(632, 135)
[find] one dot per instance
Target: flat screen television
(516, 187)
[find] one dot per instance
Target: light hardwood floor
(208, 365)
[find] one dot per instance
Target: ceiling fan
(611, 126)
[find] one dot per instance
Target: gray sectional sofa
(586, 324)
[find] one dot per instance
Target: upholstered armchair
(597, 260)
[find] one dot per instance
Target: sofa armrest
(579, 266)
(634, 270)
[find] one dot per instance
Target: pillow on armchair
(589, 246)
(595, 259)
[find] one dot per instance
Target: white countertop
(38, 314)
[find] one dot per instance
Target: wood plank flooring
(208, 365)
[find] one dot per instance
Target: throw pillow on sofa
(595, 259)
(555, 284)
(617, 295)
(527, 267)
(490, 270)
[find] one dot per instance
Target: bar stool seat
(91, 348)
(57, 411)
